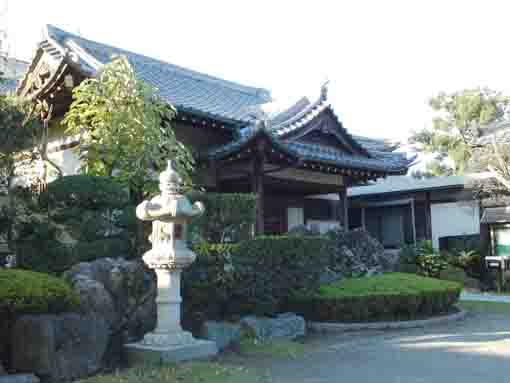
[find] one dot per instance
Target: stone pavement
(476, 350)
(483, 297)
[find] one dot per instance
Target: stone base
(198, 349)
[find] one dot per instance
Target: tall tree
(458, 117)
(125, 130)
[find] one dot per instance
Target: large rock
(59, 347)
(122, 292)
(355, 253)
(225, 334)
(287, 326)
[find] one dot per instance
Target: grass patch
(395, 296)
(192, 372)
(281, 349)
(386, 284)
(485, 307)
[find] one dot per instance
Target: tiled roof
(301, 113)
(280, 129)
(187, 90)
(380, 162)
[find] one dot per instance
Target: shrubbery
(228, 217)
(27, 292)
(395, 296)
(422, 259)
(89, 218)
(252, 277)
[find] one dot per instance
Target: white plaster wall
(455, 218)
(68, 161)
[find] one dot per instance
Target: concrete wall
(454, 218)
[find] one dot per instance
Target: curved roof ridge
(61, 36)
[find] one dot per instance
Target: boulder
(225, 334)
(356, 253)
(287, 326)
(122, 292)
(59, 347)
(19, 378)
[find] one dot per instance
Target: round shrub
(395, 296)
(86, 192)
(28, 292)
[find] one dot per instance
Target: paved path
(476, 350)
(465, 296)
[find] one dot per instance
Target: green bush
(468, 260)
(252, 277)
(53, 257)
(86, 192)
(28, 292)
(423, 259)
(228, 217)
(395, 296)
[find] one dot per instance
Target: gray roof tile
(187, 90)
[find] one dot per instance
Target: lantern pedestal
(169, 342)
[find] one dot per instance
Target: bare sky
(384, 58)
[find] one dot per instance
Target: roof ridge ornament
(324, 91)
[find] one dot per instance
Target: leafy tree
(18, 133)
(459, 117)
(125, 130)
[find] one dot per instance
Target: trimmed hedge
(252, 277)
(28, 292)
(395, 296)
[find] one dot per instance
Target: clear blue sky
(384, 58)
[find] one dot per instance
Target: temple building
(289, 159)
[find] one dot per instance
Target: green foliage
(27, 292)
(459, 116)
(18, 131)
(85, 192)
(89, 218)
(127, 130)
(395, 296)
(228, 217)
(252, 277)
(422, 258)
(53, 257)
(468, 260)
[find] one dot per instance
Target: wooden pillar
(363, 219)
(413, 219)
(428, 217)
(343, 209)
(258, 189)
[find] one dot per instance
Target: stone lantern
(170, 212)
